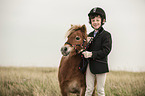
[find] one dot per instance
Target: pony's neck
(74, 59)
(74, 55)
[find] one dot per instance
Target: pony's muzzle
(65, 50)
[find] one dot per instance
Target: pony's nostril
(64, 51)
(65, 48)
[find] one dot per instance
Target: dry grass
(125, 84)
(29, 82)
(44, 82)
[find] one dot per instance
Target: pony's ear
(84, 28)
(71, 25)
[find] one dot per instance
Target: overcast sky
(33, 31)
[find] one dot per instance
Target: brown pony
(71, 79)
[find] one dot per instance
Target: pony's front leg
(63, 91)
(82, 92)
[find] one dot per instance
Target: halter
(81, 45)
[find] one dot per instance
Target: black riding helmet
(97, 11)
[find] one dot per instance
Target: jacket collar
(98, 33)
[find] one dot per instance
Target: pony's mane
(73, 29)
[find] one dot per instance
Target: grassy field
(44, 82)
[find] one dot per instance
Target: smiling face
(96, 22)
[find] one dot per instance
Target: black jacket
(100, 48)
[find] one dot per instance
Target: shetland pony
(71, 79)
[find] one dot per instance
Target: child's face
(96, 22)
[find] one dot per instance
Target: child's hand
(89, 38)
(87, 54)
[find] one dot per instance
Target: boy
(97, 52)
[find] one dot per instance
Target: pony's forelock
(74, 28)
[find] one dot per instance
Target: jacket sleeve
(105, 47)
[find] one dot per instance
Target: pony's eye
(77, 38)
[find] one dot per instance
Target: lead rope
(85, 61)
(84, 49)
